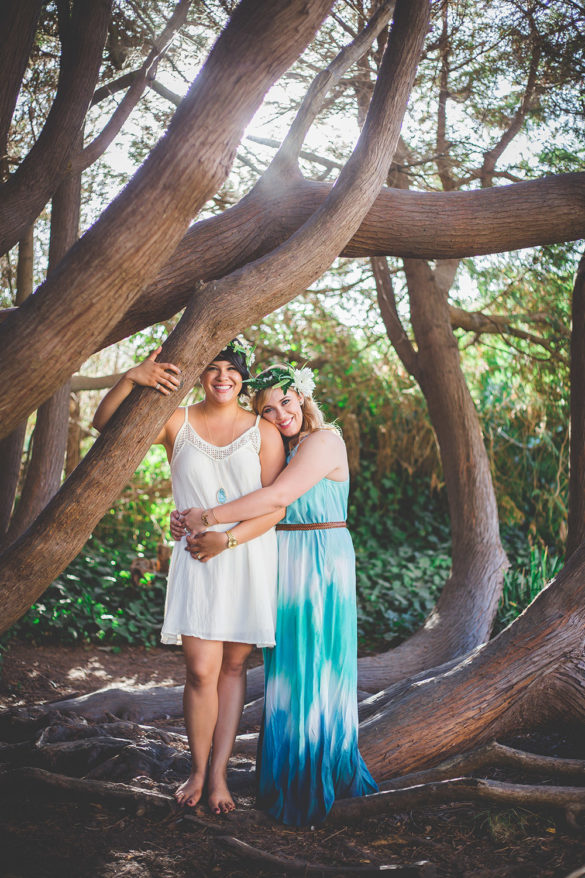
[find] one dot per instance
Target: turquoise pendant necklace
(220, 495)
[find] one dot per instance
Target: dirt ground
(47, 835)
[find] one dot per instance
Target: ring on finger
(198, 556)
(157, 386)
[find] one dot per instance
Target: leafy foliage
(94, 600)
(533, 568)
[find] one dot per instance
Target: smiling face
(284, 410)
(221, 381)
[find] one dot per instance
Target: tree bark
(428, 225)
(576, 519)
(204, 328)
(530, 674)
(45, 469)
(109, 265)
(73, 452)
(11, 456)
(27, 190)
(19, 21)
(11, 446)
(464, 614)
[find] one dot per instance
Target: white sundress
(232, 597)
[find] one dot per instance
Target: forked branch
(138, 84)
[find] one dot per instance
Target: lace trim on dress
(188, 435)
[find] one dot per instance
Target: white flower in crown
(249, 354)
(245, 348)
(303, 381)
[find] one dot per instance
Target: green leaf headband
(301, 380)
(243, 347)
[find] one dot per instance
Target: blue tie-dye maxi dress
(308, 754)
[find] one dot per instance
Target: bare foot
(219, 799)
(190, 791)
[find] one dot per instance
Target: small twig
(330, 164)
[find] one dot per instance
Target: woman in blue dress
(308, 754)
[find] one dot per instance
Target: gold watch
(232, 541)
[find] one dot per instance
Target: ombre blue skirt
(308, 752)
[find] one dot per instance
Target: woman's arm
(211, 543)
(162, 376)
(321, 455)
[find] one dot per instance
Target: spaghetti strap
(186, 414)
(257, 419)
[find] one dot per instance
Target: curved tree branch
(19, 22)
(27, 190)
(326, 80)
(486, 173)
(429, 225)
(498, 324)
(576, 518)
(387, 302)
(138, 84)
(518, 671)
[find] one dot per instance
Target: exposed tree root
(18, 779)
(246, 744)
(294, 866)
(570, 800)
(122, 751)
(494, 755)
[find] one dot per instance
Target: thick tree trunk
(44, 472)
(463, 616)
(576, 533)
(530, 674)
(205, 327)
(109, 265)
(463, 224)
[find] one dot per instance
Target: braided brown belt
(319, 525)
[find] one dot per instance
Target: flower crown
(284, 376)
(243, 347)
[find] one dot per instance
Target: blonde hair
(313, 418)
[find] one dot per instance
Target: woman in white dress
(218, 611)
